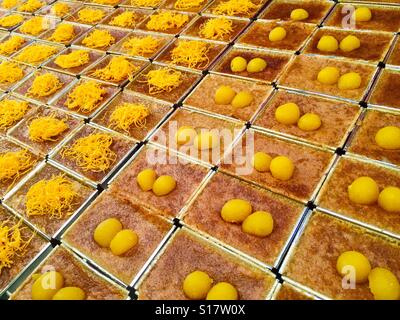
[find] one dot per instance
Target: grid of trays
(314, 221)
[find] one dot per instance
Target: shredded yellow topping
(89, 15)
(53, 197)
(216, 28)
(13, 164)
(11, 20)
(92, 153)
(188, 4)
(60, 9)
(166, 20)
(8, 4)
(85, 97)
(45, 85)
(145, 3)
(163, 80)
(128, 114)
(191, 53)
(63, 33)
(11, 111)
(10, 72)
(11, 45)
(141, 46)
(106, 2)
(31, 6)
(34, 26)
(98, 39)
(118, 69)
(235, 7)
(36, 53)
(73, 59)
(125, 19)
(12, 244)
(46, 128)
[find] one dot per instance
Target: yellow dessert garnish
(11, 111)
(163, 80)
(389, 199)
(309, 122)
(11, 20)
(123, 241)
(328, 75)
(187, 4)
(288, 113)
(388, 138)
(353, 261)
(238, 64)
(8, 4)
(36, 53)
(166, 20)
(164, 185)
(282, 168)
(70, 293)
(216, 28)
(383, 284)
(44, 85)
(60, 9)
(299, 14)
(362, 14)
(127, 114)
(235, 7)
(118, 69)
(124, 19)
(259, 223)
(146, 179)
(106, 231)
(327, 44)
(242, 100)
(196, 285)
(14, 164)
(10, 72)
(236, 210)
(206, 140)
(141, 46)
(222, 291)
(47, 285)
(46, 128)
(74, 59)
(89, 15)
(224, 95)
(98, 39)
(277, 34)
(11, 45)
(92, 153)
(86, 96)
(261, 161)
(53, 197)
(12, 244)
(63, 33)
(349, 43)
(363, 190)
(349, 81)
(145, 3)
(107, 2)
(31, 6)
(191, 54)
(185, 134)
(256, 65)
(34, 26)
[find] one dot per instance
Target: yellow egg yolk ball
(70, 293)
(123, 241)
(145, 179)
(242, 100)
(299, 14)
(388, 138)
(349, 43)
(354, 261)
(47, 285)
(224, 95)
(349, 81)
(309, 122)
(256, 65)
(261, 161)
(389, 199)
(223, 291)
(328, 75)
(236, 210)
(288, 113)
(363, 190)
(362, 14)
(106, 231)
(277, 34)
(196, 285)
(164, 185)
(238, 64)
(383, 284)
(327, 44)
(185, 135)
(206, 140)
(259, 223)
(282, 168)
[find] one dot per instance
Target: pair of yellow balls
(347, 81)
(289, 114)
(204, 140)
(365, 191)
(281, 167)
(161, 186)
(330, 44)
(198, 286)
(226, 95)
(382, 282)
(279, 33)
(258, 223)
(239, 64)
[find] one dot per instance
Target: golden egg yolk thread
(163, 80)
(11, 20)
(44, 85)
(235, 7)
(166, 20)
(141, 46)
(125, 19)
(11, 45)
(85, 97)
(92, 153)
(8, 4)
(106, 2)
(10, 72)
(216, 28)
(31, 6)
(191, 54)
(13, 164)
(128, 114)
(11, 111)
(89, 15)
(36, 53)
(74, 59)
(60, 9)
(63, 33)
(187, 4)
(145, 3)
(34, 26)
(98, 39)
(46, 128)
(118, 69)
(54, 197)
